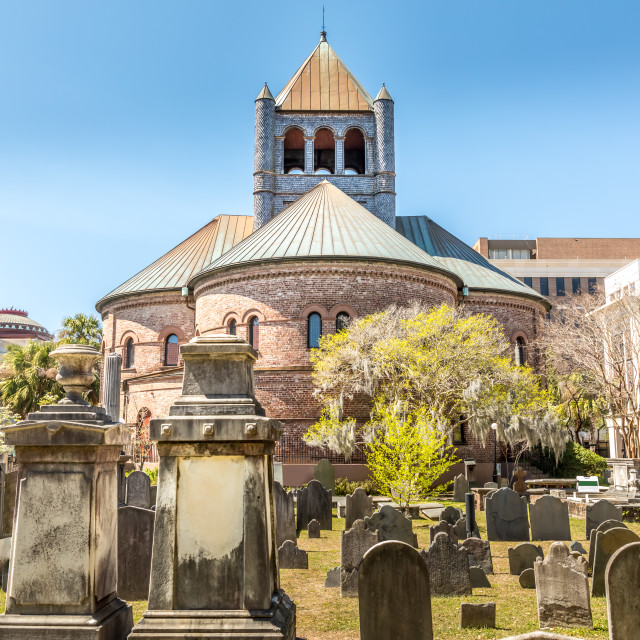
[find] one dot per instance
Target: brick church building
(324, 246)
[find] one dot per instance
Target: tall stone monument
(111, 381)
(214, 570)
(64, 555)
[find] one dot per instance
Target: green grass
(323, 615)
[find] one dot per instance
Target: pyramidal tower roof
(323, 83)
(325, 223)
(174, 269)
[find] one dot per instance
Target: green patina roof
(474, 269)
(174, 269)
(325, 223)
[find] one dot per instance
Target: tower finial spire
(323, 33)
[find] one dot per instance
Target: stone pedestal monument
(214, 571)
(62, 581)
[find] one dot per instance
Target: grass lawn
(323, 615)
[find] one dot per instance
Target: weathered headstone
(324, 473)
(622, 581)
(478, 578)
(285, 515)
(390, 524)
(290, 556)
(599, 512)
(313, 529)
(153, 494)
(395, 599)
(354, 543)
(603, 526)
(576, 546)
(444, 527)
(135, 542)
(520, 485)
(479, 553)
(461, 529)
(314, 503)
(138, 490)
(9, 494)
(451, 515)
(607, 543)
(507, 518)
(504, 482)
(562, 588)
(549, 518)
(523, 556)
(460, 487)
(477, 615)
(358, 507)
(122, 479)
(527, 579)
(448, 567)
(278, 473)
(333, 578)
(491, 485)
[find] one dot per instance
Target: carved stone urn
(76, 370)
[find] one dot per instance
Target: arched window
(324, 151)
(129, 356)
(171, 350)
(521, 352)
(294, 151)
(254, 332)
(342, 320)
(314, 330)
(232, 327)
(354, 152)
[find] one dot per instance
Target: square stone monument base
(278, 623)
(112, 622)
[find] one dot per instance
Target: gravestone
(527, 579)
(460, 487)
(562, 589)
(523, 556)
(549, 518)
(358, 507)
(332, 580)
(9, 494)
(504, 482)
(491, 485)
(622, 581)
(520, 485)
(506, 513)
(291, 556)
(285, 515)
(153, 494)
(607, 543)
(135, 542)
(278, 474)
(313, 529)
(620, 477)
(448, 567)
(443, 527)
(122, 479)
(478, 578)
(395, 599)
(324, 473)
(138, 490)
(479, 553)
(314, 503)
(390, 524)
(354, 543)
(111, 385)
(451, 515)
(603, 526)
(599, 512)
(461, 529)
(477, 615)
(576, 546)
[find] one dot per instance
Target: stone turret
(385, 194)
(263, 176)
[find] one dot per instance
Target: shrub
(578, 461)
(153, 474)
(344, 486)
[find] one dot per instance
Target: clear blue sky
(127, 125)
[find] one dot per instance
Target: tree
(81, 329)
(599, 346)
(408, 456)
(455, 366)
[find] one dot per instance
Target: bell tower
(324, 125)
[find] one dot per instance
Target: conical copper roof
(174, 269)
(323, 83)
(325, 223)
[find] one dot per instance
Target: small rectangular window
(544, 286)
(593, 285)
(529, 282)
(575, 286)
(559, 286)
